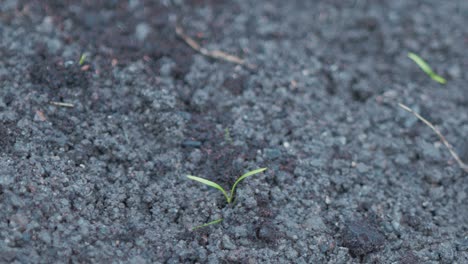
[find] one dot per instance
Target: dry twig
(215, 54)
(442, 138)
(61, 104)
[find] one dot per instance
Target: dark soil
(351, 177)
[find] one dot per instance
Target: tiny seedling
(426, 68)
(227, 135)
(208, 224)
(82, 59)
(229, 197)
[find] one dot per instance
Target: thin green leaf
(438, 78)
(250, 173)
(82, 59)
(426, 68)
(420, 62)
(209, 183)
(227, 135)
(207, 224)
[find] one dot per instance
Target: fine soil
(94, 155)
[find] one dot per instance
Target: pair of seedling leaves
(229, 196)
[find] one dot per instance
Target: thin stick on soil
(62, 104)
(442, 138)
(215, 54)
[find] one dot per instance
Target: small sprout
(230, 197)
(227, 135)
(82, 59)
(208, 224)
(426, 68)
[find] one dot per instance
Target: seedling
(227, 135)
(82, 59)
(208, 224)
(426, 68)
(229, 197)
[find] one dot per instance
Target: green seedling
(82, 59)
(426, 68)
(227, 135)
(208, 224)
(229, 197)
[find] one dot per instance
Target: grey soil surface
(352, 178)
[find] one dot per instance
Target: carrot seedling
(82, 59)
(229, 197)
(208, 224)
(426, 68)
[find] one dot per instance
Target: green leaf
(250, 173)
(82, 59)
(426, 68)
(438, 78)
(211, 184)
(207, 224)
